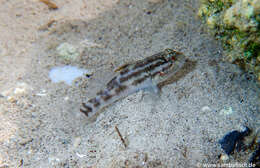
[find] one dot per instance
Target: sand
(41, 125)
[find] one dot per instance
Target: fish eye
(169, 54)
(168, 50)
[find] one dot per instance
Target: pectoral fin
(151, 87)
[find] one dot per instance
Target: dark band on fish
(138, 81)
(137, 73)
(106, 97)
(126, 70)
(152, 58)
(164, 69)
(87, 109)
(111, 84)
(121, 88)
(95, 102)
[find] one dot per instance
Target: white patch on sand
(66, 74)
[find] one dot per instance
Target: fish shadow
(188, 66)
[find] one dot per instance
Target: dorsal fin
(122, 67)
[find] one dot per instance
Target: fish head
(173, 55)
(175, 61)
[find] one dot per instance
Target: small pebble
(67, 51)
(76, 142)
(66, 98)
(42, 93)
(226, 111)
(80, 155)
(25, 141)
(53, 160)
(224, 157)
(11, 99)
(22, 89)
(19, 91)
(205, 108)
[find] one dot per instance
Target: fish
(132, 77)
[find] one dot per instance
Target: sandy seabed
(41, 125)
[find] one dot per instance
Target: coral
(237, 24)
(67, 52)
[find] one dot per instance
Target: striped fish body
(132, 77)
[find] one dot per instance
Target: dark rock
(255, 158)
(234, 140)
